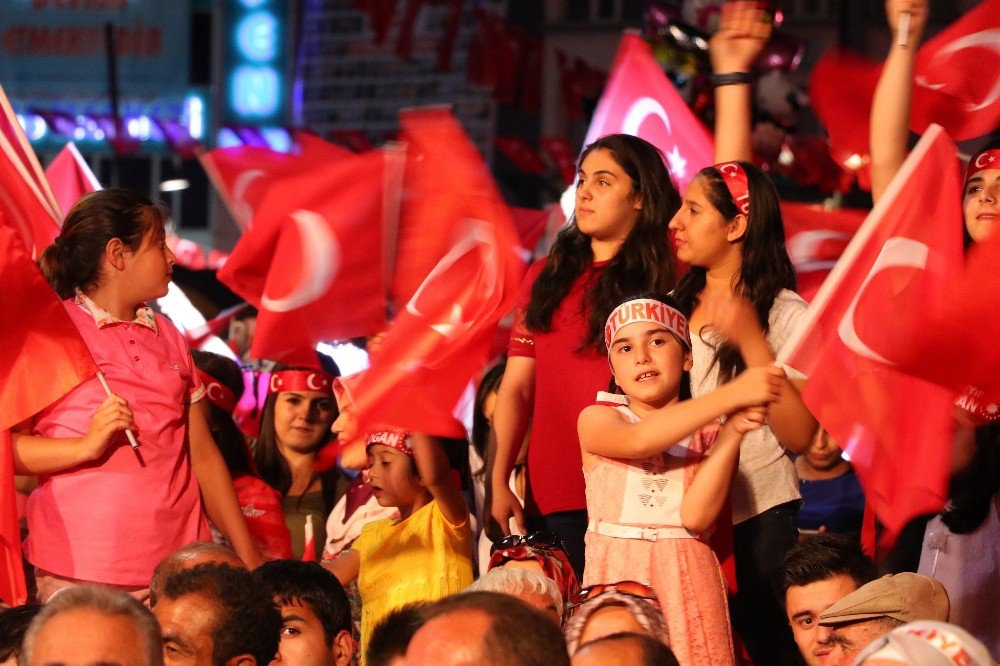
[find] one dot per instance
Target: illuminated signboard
(254, 86)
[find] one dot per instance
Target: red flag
(13, 590)
(70, 177)
(243, 175)
(815, 238)
(309, 547)
(530, 225)
(845, 110)
(951, 89)
(895, 428)
(312, 262)
(563, 155)
(520, 152)
(439, 340)
(639, 99)
(189, 254)
(428, 226)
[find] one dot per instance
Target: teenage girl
(615, 245)
(658, 476)
(295, 425)
(743, 309)
(423, 555)
(105, 512)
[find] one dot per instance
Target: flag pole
(128, 433)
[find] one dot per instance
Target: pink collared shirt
(113, 520)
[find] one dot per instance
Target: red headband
(217, 393)
(300, 380)
(987, 159)
(393, 439)
(736, 182)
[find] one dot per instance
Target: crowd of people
(632, 492)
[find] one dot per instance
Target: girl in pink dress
(658, 472)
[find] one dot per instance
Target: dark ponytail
(74, 259)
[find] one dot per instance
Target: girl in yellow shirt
(423, 555)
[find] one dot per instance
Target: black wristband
(731, 78)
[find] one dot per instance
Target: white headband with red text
(649, 311)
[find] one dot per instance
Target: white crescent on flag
(320, 263)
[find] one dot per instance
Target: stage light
(277, 138)
(194, 111)
(228, 138)
(174, 185)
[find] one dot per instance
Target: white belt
(644, 533)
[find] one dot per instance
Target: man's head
(315, 613)
(390, 637)
(188, 557)
(532, 587)
(487, 629)
(878, 607)
(820, 570)
(215, 615)
(90, 624)
(624, 648)
(926, 643)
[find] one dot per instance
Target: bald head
(188, 557)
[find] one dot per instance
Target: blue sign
(255, 62)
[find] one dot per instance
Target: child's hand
(743, 32)
(113, 415)
(759, 386)
(917, 9)
(746, 420)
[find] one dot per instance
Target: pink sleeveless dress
(683, 571)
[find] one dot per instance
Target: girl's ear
(114, 252)
(638, 203)
(688, 362)
(737, 228)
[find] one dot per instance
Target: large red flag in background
(242, 176)
(639, 100)
(895, 428)
(950, 87)
(70, 177)
(312, 261)
(815, 238)
(25, 197)
(441, 336)
(956, 83)
(42, 357)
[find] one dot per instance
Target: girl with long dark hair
(615, 245)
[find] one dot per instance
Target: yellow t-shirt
(422, 558)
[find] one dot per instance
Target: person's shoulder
(786, 310)
(789, 300)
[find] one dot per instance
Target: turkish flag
(70, 177)
(13, 590)
(243, 175)
(312, 262)
(441, 336)
(189, 254)
(562, 155)
(845, 110)
(25, 197)
(530, 225)
(951, 88)
(430, 219)
(896, 428)
(521, 153)
(639, 99)
(815, 238)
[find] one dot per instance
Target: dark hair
(819, 557)
(765, 269)
(654, 652)
(685, 387)
(490, 383)
(519, 634)
(973, 488)
(643, 262)
(271, 464)
(13, 626)
(295, 582)
(390, 637)
(74, 259)
(248, 621)
(228, 437)
(179, 560)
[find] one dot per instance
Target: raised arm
(890, 121)
(511, 418)
(603, 432)
(436, 475)
(743, 32)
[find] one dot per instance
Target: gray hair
(103, 600)
(516, 581)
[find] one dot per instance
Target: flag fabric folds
(70, 177)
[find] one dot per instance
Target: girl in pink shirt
(103, 511)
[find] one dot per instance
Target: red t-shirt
(566, 381)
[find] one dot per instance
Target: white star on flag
(678, 165)
(992, 408)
